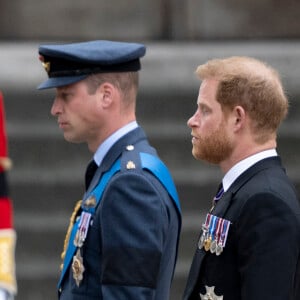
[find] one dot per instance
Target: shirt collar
(243, 165)
(111, 140)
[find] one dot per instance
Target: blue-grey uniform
(124, 240)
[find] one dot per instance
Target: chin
(71, 139)
(196, 155)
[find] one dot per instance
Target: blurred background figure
(8, 285)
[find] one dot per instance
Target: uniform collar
(111, 140)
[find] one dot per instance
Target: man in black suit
(123, 236)
(249, 245)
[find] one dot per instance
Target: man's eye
(66, 96)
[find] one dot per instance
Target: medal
(207, 243)
(214, 234)
(77, 267)
(210, 294)
(204, 231)
(208, 238)
(77, 264)
(213, 245)
(83, 228)
(224, 233)
(219, 247)
(201, 241)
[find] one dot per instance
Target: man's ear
(239, 117)
(106, 93)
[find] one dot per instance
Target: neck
(245, 150)
(108, 131)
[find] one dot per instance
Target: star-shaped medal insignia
(78, 267)
(210, 294)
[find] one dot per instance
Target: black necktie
(89, 174)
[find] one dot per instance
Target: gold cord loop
(72, 221)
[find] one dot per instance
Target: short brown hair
(252, 84)
(125, 82)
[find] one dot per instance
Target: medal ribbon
(207, 221)
(225, 232)
(83, 227)
(220, 230)
(217, 235)
(213, 226)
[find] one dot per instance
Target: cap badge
(210, 294)
(46, 66)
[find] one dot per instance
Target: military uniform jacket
(260, 260)
(131, 247)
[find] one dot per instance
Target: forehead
(69, 87)
(208, 91)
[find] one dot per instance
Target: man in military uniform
(8, 286)
(123, 237)
(249, 245)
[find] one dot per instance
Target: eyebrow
(203, 105)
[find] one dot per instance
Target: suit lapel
(194, 273)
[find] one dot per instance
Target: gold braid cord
(7, 260)
(72, 221)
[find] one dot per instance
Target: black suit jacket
(261, 258)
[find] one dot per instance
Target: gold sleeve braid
(72, 221)
(7, 260)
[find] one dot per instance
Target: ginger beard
(214, 147)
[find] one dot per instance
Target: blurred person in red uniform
(8, 285)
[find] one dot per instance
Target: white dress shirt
(243, 165)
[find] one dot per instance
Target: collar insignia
(90, 202)
(130, 165)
